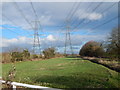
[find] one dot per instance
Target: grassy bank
(64, 73)
(112, 64)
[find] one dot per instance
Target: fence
(15, 84)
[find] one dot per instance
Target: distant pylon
(68, 38)
(36, 44)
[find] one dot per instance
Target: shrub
(16, 56)
(6, 57)
(20, 56)
(35, 56)
(92, 49)
(49, 53)
(26, 54)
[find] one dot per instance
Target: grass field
(64, 73)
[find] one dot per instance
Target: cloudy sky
(87, 21)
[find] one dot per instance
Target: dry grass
(6, 57)
(113, 64)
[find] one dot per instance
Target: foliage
(92, 48)
(49, 53)
(34, 56)
(113, 44)
(16, 56)
(20, 56)
(26, 54)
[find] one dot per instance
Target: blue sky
(16, 32)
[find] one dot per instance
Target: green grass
(64, 73)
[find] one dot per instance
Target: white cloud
(15, 41)
(24, 41)
(51, 38)
(81, 14)
(7, 42)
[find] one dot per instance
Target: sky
(87, 21)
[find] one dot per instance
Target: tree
(113, 45)
(92, 49)
(49, 53)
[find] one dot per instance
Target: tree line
(108, 49)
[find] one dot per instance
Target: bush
(16, 56)
(35, 56)
(20, 56)
(6, 57)
(49, 53)
(59, 54)
(26, 54)
(92, 49)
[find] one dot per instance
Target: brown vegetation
(6, 57)
(112, 64)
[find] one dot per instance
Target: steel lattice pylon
(36, 44)
(68, 38)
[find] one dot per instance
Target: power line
(22, 14)
(106, 9)
(35, 14)
(108, 21)
(14, 31)
(75, 10)
(82, 13)
(88, 15)
(34, 10)
(68, 31)
(67, 34)
(9, 20)
(68, 14)
(13, 22)
(11, 30)
(105, 22)
(36, 44)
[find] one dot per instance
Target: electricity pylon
(68, 38)
(36, 44)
